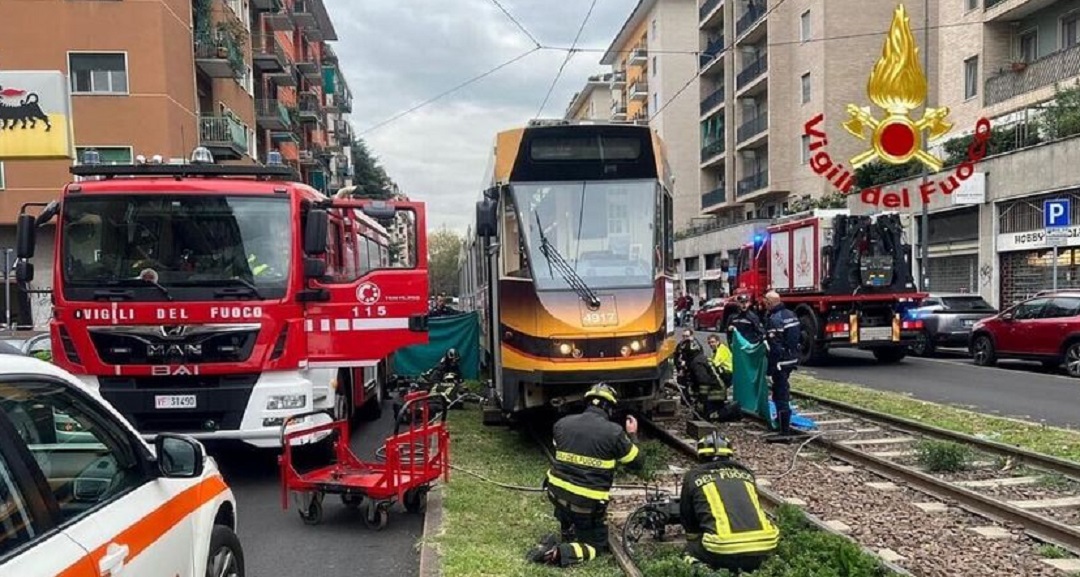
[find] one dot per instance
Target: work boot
(546, 551)
(786, 433)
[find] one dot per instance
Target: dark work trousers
(781, 394)
(583, 530)
(733, 563)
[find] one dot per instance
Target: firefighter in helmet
(588, 447)
(720, 511)
(268, 255)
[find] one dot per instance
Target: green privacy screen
(461, 332)
(750, 379)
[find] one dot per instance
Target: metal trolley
(411, 461)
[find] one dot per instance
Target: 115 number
(378, 311)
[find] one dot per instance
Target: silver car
(947, 320)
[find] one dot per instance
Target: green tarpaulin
(751, 364)
(461, 332)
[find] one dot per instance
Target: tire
(416, 500)
(312, 515)
(982, 351)
(226, 555)
(697, 325)
(923, 346)
(373, 408)
(1072, 359)
(810, 353)
(890, 356)
(343, 403)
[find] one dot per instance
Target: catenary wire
(517, 23)
(569, 55)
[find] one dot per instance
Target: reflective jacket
(719, 505)
(704, 380)
(749, 326)
(722, 359)
(587, 448)
(784, 333)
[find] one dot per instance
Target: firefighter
(269, 253)
(681, 354)
(746, 321)
(450, 363)
(707, 386)
(442, 307)
(588, 447)
(721, 358)
(784, 332)
(720, 511)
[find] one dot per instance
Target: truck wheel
(810, 351)
(890, 356)
(982, 351)
(923, 345)
(226, 556)
(372, 409)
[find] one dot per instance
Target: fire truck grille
(152, 345)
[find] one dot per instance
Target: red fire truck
(219, 300)
(848, 278)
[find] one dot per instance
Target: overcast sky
(398, 53)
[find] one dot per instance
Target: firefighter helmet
(714, 445)
(602, 392)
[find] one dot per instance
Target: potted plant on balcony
(1019, 66)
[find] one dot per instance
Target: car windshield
(603, 230)
(176, 241)
(962, 304)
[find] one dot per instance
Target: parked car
(947, 320)
(711, 315)
(1045, 328)
(82, 494)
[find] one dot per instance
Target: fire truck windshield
(191, 245)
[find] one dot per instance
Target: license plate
(969, 323)
(174, 401)
(875, 334)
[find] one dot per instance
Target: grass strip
(487, 530)
(1063, 443)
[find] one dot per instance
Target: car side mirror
(1007, 317)
(25, 230)
(487, 218)
(24, 272)
(315, 229)
(179, 457)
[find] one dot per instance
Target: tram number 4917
(375, 311)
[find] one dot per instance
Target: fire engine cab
(218, 300)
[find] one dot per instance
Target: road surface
(277, 542)
(1014, 389)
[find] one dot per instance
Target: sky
(396, 54)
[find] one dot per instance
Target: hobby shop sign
(897, 86)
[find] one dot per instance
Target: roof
(632, 22)
(580, 98)
(9, 349)
(189, 185)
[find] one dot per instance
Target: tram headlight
(566, 348)
(625, 351)
(636, 346)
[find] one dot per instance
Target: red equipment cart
(413, 460)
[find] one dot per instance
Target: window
(655, 102)
(971, 77)
(654, 66)
(1030, 309)
(972, 4)
(1029, 46)
(1069, 30)
(653, 34)
(17, 527)
(806, 88)
(102, 73)
(805, 149)
(804, 26)
(108, 154)
(1061, 307)
(85, 456)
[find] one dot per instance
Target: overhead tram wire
(517, 23)
(569, 54)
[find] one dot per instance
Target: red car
(1045, 328)
(711, 315)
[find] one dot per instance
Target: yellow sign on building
(35, 116)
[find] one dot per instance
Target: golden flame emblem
(898, 85)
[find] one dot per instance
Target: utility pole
(924, 242)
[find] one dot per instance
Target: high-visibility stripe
(344, 325)
(576, 490)
(578, 553)
(630, 456)
(591, 462)
(146, 531)
(716, 507)
(724, 542)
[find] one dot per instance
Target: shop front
(1026, 257)
(953, 266)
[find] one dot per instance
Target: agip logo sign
(897, 86)
(35, 116)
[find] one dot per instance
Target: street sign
(1056, 213)
(1057, 236)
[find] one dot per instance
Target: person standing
(746, 321)
(783, 333)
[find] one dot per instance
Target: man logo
(368, 293)
(173, 331)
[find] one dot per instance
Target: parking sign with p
(1056, 213)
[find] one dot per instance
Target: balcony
(639, 90)
(310, 67)
(311, 108)
(284, 77)
(219, 56)
(707, 9)
(267, 54)
(639, 55)
(343, 133)
(281, 19)
(618, 78)
(641, 117)
(713, 197)
(752, 184)
(712, 150)
(224, 136)
(271, 114)
(1011, 10)
(267, 5)
(304, 14)
(714, 52)
(1045, 71)
(752, 71)
(618, 111)
(752, 128)
(713, 100)
(753, 14)
(329, 57)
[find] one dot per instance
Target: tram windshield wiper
(557, 262)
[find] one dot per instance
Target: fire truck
(218, 300)
(848, 278)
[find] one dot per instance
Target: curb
(433, 516)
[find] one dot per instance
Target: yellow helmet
(602, 391)
(714, 445)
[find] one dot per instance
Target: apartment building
(1004, 60)
(652, 59)
(766, 67)
(240, 77)
(593, 102)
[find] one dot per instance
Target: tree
(368, 175)
(1061, 118)
(444, 247)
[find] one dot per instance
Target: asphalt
(1014, 389)
(278, 544)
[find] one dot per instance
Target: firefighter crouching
(707, 386)
(719, 508)
(588, 446)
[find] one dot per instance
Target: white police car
(82, 495)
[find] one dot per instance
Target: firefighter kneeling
(587, 448)
(725, 525)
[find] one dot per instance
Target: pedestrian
(721, 358)
(721, 513)
(746, 320)
(784, 333)
(588, 446)
(708, 390)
